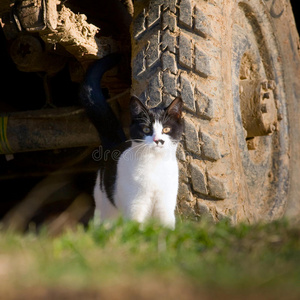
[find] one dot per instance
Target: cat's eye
(166, 129)
(146, 129)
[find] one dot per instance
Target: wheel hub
(258, 106)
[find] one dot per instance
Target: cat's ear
(137, 107)
(175, 108)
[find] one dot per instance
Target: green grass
(122, 257)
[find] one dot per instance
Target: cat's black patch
(108, 170)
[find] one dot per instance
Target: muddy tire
(228, 61)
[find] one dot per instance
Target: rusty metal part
(29, 55)
(57, 25)
(64, 27)
(31, 15)
(36, 15)
(46, 129)
(252, 143)
(51, 14)
(258, 107)
(77, 36)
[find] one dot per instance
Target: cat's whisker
(140, 145)
(143, 152)
(134, 152)
(139, 141)
(135, 140)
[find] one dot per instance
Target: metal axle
(46, 129)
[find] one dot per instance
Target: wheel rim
(260, 113)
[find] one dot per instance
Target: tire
(229, 165)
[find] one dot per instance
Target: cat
(141, 181)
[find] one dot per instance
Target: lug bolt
(271, 85)
(272, 128)
(264, 85)
(252, 143)
(263, 108)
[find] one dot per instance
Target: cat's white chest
(152, 168)
(159, 172)
(147, 186)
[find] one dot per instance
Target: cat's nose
(158, 141)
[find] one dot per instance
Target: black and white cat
(141, 182)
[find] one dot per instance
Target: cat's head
(159, 128)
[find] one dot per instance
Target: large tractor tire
(236, 66)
